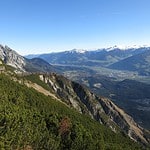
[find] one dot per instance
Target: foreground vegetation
(29, 119)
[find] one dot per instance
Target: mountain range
(70, 94)
(132, 59)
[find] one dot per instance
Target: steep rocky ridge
(12, 58)
(130, 95)
(99, 108)
(21, 64)
(31, 120)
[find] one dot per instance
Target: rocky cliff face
(99, 108)
(12, 58)
(21, 64)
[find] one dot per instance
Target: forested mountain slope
(30, 120)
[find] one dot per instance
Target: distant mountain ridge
(101, 57)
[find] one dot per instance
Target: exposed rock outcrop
(10, 57)
(21, 64)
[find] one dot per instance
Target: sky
(44, 26)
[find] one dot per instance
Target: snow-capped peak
(123, 47)
(78, 51)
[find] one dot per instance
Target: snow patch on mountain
(125, 47)
(81, 51)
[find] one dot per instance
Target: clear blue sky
(39, 26)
